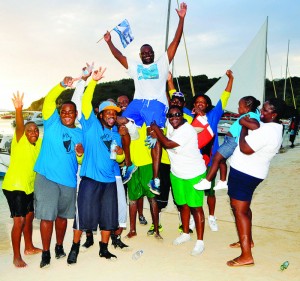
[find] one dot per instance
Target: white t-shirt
(150, 79)
(186, 159)
(265, 141)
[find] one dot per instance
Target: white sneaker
(198, 249)
(184, 237)
(221, 185)
(212, 221)
(203, 185)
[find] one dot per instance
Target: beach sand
(276, 229)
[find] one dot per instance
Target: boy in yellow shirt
(19, 181)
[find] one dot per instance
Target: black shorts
(20, 203)
(97, 205)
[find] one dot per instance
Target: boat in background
(34, 116)
(7, 114)
(249, 73)
(5, 146)
(249, 79)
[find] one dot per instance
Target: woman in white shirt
(249, 166)
(187, 169)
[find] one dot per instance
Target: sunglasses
(176, 114)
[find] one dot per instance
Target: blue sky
(44, 41)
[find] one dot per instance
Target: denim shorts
(228, 146)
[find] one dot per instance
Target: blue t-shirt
(213, 118)
(96, 162)
(57, 159)
(236, 127)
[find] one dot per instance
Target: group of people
(181, 152)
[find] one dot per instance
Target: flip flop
(235, 263)
(237, 245)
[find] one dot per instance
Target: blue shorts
(20, 203)
(146, 111)
(241, 186)
(227, 147)
(97, 205)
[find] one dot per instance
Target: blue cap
(105, 105)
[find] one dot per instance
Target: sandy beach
(276, 233)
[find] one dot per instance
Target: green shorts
(211, 191)
(185, 193)
(138, 184)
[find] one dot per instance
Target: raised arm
(18, 104)
(171, 87)
(174, 44)
(78, 93)
(49, 105)
(116, 53)
(226, 94)
(230, 81)
(87, 107)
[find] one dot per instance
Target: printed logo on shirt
(67, 142)
(106, 138)
(146, 73)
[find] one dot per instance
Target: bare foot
(18, 262)
(157, 236)
(32, 251)
(131, 234)
(238, 245)
(240, 262)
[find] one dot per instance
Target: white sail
(249, 73)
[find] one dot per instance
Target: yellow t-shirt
(20, 175)
(140, 154)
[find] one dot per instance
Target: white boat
(5, 145)
(34, 116)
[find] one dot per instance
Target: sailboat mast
(265, 66)
(167, 28)
(166, 47)
(286, 69)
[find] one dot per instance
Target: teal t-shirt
(57, 159)
(96, 162)
(236, 128)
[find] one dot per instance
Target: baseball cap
(178, 95)
(105, 105)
